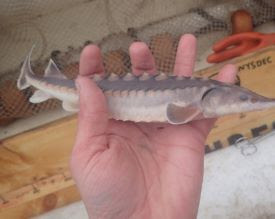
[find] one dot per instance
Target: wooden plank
(36, 154)
(42, 204)
(34, 165)
(37, 189)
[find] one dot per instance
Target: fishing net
(60, 29)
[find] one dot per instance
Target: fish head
(224, 100)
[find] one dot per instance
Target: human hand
(138, 170)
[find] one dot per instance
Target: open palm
(138, 170)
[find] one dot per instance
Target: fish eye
(243, 97)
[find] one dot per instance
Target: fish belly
(139, 106)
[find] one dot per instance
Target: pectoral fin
(39, 96)
(181, 115)
(71, 107)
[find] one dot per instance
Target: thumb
(93, 114)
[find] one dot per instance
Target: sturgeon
(148, 98)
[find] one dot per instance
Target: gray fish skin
(149, 98)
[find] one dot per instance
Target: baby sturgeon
(147, 98)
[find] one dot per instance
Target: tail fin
(26, 70)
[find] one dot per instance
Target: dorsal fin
(53, 71)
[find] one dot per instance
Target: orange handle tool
(239, 44)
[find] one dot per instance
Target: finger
(228, 75)
(90, 61)
(93, 117)
(141, 58)
(93, 114)
(186, 55)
